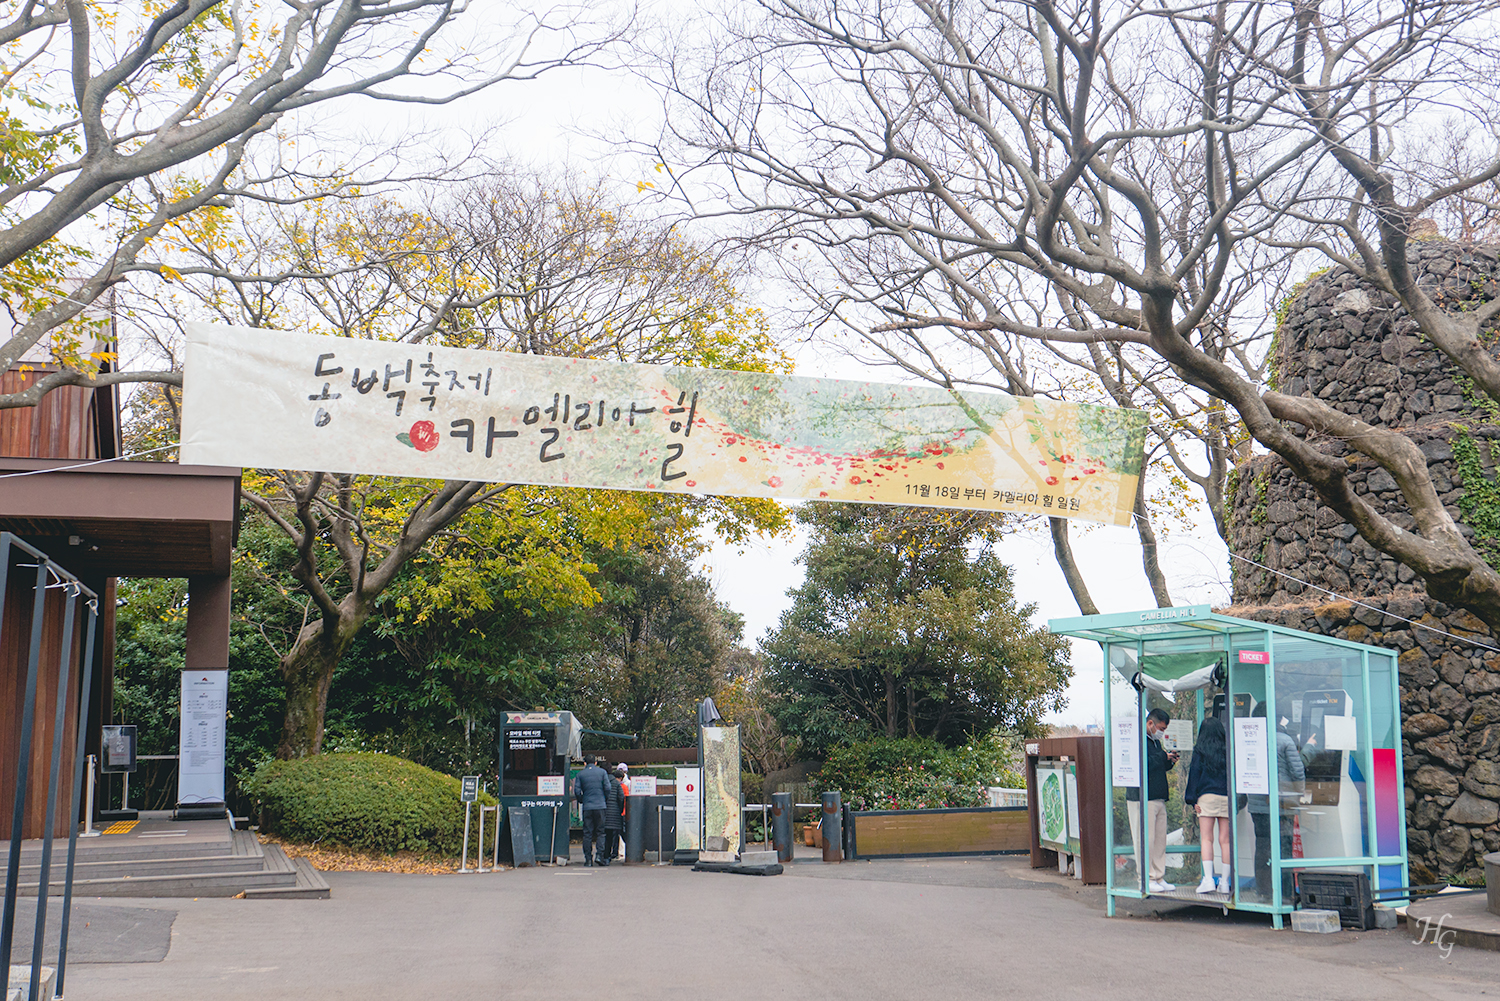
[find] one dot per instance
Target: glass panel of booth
(530, 753)
(1323, 697)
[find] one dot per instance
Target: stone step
(310, 884)
(20, 982)
(257, 867)
(156, 864)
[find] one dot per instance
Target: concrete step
(254, 867)
(149, 866)
(310, 884)
(154, 836)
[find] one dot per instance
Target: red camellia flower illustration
(1052, 481)
(424, 437)
(774, 481)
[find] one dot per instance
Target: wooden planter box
(976, 831)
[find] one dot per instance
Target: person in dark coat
(591, 790)
(1159, 761)
(1207, 793)
(614, 815)
(1291, 772)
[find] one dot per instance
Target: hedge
(370, 801)
(912, 773)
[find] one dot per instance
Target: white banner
(200, 742)
(267, 399)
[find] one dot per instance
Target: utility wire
(80, 465)
(1364, 604)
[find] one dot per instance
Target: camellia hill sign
(270, 399)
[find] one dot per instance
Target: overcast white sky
(550, 123)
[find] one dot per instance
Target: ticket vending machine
(1330, 816)
(536, 749)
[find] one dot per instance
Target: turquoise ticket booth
(1288, 700)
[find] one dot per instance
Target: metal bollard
(479, 841)
(635, 829)
(468, 812)
(833, 827)
(781, 825)
(88, 810)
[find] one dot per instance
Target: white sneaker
(1157, 886)
(1207, 885)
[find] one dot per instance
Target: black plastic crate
(1345, 892)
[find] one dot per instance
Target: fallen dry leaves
(326, 858)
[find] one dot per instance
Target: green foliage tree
(662, 641)
(908, 624)
(584, 278)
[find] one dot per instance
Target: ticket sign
(1255, 657)
(279, 400)
(469, 792)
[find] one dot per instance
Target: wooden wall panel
(62, 426)
(15, 641)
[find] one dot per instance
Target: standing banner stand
(200, 745)
(723, 817)
(689, 815)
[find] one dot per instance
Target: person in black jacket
(614, 816)
(1158, 763)
(591, 788)
(1208, 793)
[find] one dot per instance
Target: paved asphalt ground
(949, 929)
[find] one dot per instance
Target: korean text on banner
(270, 399)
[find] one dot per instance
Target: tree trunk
(307, 670)
(1150, 554)
(1062, 548)
(890, 704)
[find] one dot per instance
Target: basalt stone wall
(1355, 348)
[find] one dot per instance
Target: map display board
(1051, 783)
(721, 788)
(278, 400)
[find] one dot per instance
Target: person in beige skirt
(1208, 793)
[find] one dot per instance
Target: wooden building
(64, 490)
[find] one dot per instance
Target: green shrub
(370, 801)
(911, 773)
